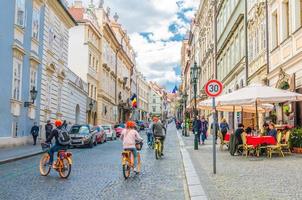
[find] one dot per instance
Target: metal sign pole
(214, 135)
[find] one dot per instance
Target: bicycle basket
(45, 147)
(139, 145)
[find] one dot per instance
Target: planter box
(297, 150)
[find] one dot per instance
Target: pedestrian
(197, 128)
(35, 132)
(203, 129)
(224, 127)
(215, 131)
(48, 128)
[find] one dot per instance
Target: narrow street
(97, 174)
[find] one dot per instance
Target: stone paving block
(196, 190)
(199, 198)
(193, 180)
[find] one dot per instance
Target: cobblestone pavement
(246, 178)
(97, 174)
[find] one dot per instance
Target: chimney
(78, 4)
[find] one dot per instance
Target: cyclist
(150, 133)
(57, 146)
(158, 131)
(130, 136)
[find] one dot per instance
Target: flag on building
(134, 101)
(175, 89)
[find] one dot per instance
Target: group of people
(130, 136)
(48, 129)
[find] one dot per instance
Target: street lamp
(185, 97)
(33, 96)
(195, 71)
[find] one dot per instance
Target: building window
(17, 72)
(20, 13)
(97, 65)
(153, 109)
(154, 100)
(94, 92)
(36, 24)
(59, 96)
(89, 89)
(285, 19)
(33, 77)
(49, 91)
(90, 59)
(275, 29)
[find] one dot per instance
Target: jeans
(35, 139)
(134, 151)
(150, 138)
(203, 136)
(54, 149)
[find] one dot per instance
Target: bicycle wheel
(157, 151)
(126, 171)
(44, 165)
(65, 168)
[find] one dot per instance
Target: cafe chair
(275, 148)
(285, 145)
(222, 141)
(246, 147)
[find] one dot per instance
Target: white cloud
(157, 59)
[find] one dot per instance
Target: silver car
(110, 132)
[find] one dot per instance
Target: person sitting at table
(265, 129)
(272, 131)
(224, 127)
(238, 133)
(248, 130)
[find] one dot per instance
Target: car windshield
(82, 130)
(106, 128)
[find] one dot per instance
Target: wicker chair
(275, 148)
(285, 145)
(247, 148)
(222, 141)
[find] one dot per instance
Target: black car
(83, 135)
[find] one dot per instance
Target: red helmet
(130, 124)
(155, 119)
(58, 123)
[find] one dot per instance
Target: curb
(194, 186)
(20, 157)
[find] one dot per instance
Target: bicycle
(158, 148)
(128, 161)
(62, 164)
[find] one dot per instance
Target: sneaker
(162, 154)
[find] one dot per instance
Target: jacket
(48, 128)
(158, 128)
(197, 126)
(54, 134)
(35, 130)
(129, 138)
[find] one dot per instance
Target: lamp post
(195, 71)
(33, 96)
(185, 97)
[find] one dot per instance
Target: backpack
(63, 137)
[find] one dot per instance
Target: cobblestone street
(246, 178)
(97, 174)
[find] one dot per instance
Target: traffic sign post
(213, 89)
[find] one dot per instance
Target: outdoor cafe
(257, 100)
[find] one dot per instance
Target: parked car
(118, 129)
(82, 135)
(100, 134)
(110, 133)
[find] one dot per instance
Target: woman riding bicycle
(130, 136)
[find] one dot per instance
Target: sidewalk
(17, 153)
(245, 178)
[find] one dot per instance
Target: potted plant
(296, 140)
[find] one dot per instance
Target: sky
(156, 29)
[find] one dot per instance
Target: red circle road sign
(213, 88)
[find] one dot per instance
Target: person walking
(224, 127)
(203, 129)
(197, 128)
(48, 128)
(35, 132)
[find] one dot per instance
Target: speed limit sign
(213, 88)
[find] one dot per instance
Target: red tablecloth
(259, 140)
(227, 137)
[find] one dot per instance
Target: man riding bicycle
(57, 146)
(158, 132)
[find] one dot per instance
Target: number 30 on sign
(213, 88)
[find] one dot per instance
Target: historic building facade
(143, 96)
(21, 45)
(85, 55)
(285, 67)
(54, 91)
